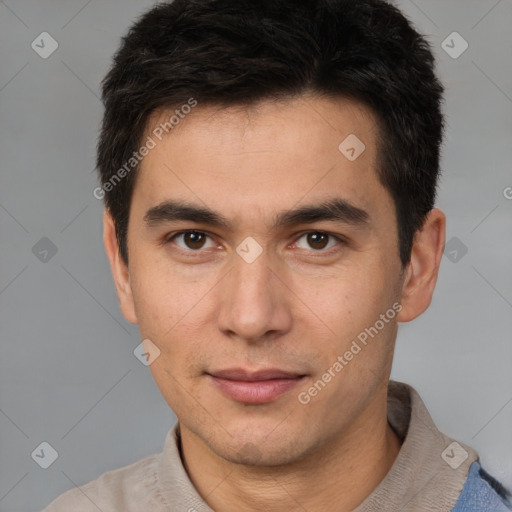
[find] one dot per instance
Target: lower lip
(255, 392)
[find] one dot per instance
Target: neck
(338, 476)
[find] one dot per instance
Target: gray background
(68, 375)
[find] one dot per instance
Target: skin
(297, 307)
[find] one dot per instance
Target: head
(298, 143)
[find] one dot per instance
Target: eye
(318, 240)
(191, 240)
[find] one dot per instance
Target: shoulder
(130, 488)
(482, 493)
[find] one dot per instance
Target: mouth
(259, 387)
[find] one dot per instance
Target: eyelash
(341, 241)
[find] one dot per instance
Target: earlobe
(422, 271)
(119, 268)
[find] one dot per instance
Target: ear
(423, 268)
(119, 268)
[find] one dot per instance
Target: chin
(260, 451)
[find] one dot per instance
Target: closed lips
(246, 376)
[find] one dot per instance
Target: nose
(254, 302)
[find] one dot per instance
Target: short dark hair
(239, 52)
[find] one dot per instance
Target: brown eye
(317, 240)
(191, 240)
(194, 239)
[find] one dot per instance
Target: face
(255, 245)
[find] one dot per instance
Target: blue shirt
(482, 493)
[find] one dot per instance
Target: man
(269, 172)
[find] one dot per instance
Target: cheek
(350, 304)
(165, 296)
(170, 310)
(354, 345)
(170, 313)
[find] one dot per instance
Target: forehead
(322, 121)
(264, 157)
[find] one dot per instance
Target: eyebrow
(337, 209)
